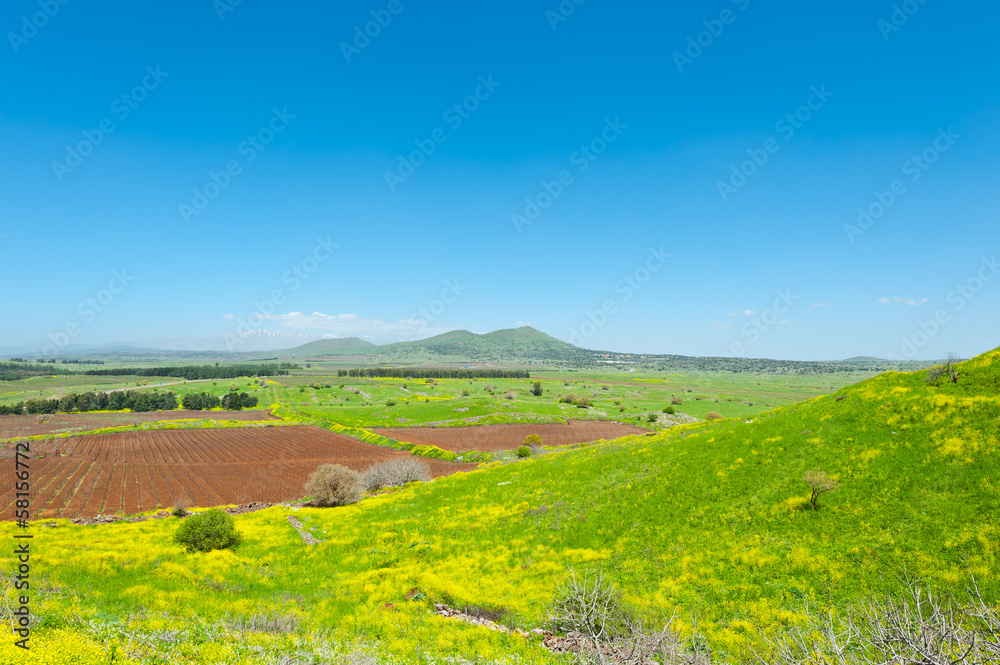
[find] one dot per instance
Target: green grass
(708, 517)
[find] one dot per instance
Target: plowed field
(130, 472)
(15, 426)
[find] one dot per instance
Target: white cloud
(732, 314)
(820, 304)
(749, 312)
(521, 324)
(910, 302)
(227, 316)
(784, 322)
(352, 325)
(716, 324)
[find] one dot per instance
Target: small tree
(669, 409)
(212, 530)
(523, 451)
(677, 400)
(949, 369)
(714, 415)
(819, 483)
(334, 485)
(536, 389)
(532, 441)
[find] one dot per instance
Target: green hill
(346, 346)
(508, 345)
(712, 518)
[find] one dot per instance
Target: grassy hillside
(711, 517)
(345, 346)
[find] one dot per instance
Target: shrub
(532, 441)
(536, 389)
(395, 473)
(390, 402)
(819, 483)
(677, 400)
(334, 485)
(714, 415)
(509, 395)
(180, 508)
(523, 451)
(569, 398)
(669, 409)
(651, 417)
(212, 530)
(582, 402)
(465, 393)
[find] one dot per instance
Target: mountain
(523, 345)
(244, 342)
(341, 346)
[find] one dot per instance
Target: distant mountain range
(524, 346)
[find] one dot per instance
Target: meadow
(711, 519)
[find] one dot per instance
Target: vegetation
(395, 473)
(402, 373)
(211, 530)
(132, 400)
(334, 485)
(694, 538)
(192, 372)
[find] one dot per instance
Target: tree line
(194, 372)
(132, 400)
(390, 373)
(231, 401)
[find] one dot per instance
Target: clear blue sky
(198, 88)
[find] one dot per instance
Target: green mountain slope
(711, 517)
(347, 346)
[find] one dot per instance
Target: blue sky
(614, 108)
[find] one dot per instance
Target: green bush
(390, 402)
(212, 530)
(714, 415)
(523, 451)
(669, 409)
(532, 440)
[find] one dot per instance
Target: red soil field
(132, 472)
(492, 438)
(40, 425)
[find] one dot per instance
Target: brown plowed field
(131, 472)
(15, 426)
(491, 438)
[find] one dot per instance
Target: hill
(344, 346)
(712, 518)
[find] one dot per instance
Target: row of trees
(402, 373)
(131, 399)
(231, 401)
(15, 371)
(194, 372)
